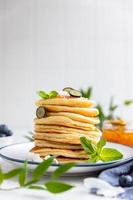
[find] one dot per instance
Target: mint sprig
(110, 113)
(53, 185)
(98, 152)
(49, 95)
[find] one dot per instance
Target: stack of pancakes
(66, 120)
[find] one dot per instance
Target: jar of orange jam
(119, 131)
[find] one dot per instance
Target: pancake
(63, 129)
(75, 117)
(64, 121)
(69, 101)
(57, 145)
(60, 152)
(89, 112)
(60, 125)
(65, 138)
(63, 160)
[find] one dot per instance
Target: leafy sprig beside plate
(112, 107)
(53, 185)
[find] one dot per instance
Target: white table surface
(78, 192)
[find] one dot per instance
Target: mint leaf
(100, 145)
(23, 174)
(93, 158)
(30, 182)
(109, 154)
(102, 116)
(87, 145)
(128, 102)
(37, 187)
(112, 107)
(53, 94)
(86, 93)
(1, 176)
(57, 187)
(89, 92)
(43, 94)
(12, 173)
(62, 169)
(42, 168)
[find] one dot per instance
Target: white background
(49, 44)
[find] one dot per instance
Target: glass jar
(118, 131)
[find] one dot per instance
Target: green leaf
(82, 92)
(29, 138)
(128, 102)
(53, 94)
(1, 176)
(42, 168)
(111, 103)
(87, 145)
(112, 106)
(100, 145)
(102, 116)
(43, 94)
(86, 93)
(37, 187)
(109, 154)
(30, 182)
(89, 92)
(57, 187)
(93, 158)
(23, 174)
(62, 169)
(12, 173)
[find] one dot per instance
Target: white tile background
(49, 44)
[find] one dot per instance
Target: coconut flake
(35, 157)
(49, 156)
(64, 94)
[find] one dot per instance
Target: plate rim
(57, 165)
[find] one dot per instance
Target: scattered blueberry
(4, 131)
(9, 133)
(126, 181)
(3, 128)
(2, 135)
(93, 190)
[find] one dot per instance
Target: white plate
(18, 153)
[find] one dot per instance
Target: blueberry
(93, 190)
(9, 133)
(126, 181)
(3, 128)
(4, 131)
(2, 135)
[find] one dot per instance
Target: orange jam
(118, 131)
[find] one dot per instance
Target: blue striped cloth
(113, 175)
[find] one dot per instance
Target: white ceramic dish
(4, 141)
(18, 153)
